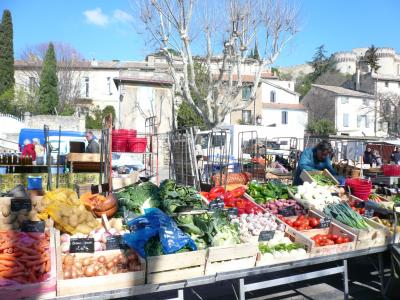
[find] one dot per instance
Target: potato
(34, 201)
(7, 227)
(83, 229)
(9, 219)
(73, 220)
(81, 217)
(5, 210)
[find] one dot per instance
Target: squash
(108, 207)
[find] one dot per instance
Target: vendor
(93, 146)
(315, 159)
(368, 156)
(395, 157)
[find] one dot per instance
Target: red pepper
(241, 211)
(230, 202)
(239, 192)
(204, 194)
(217, 190)
(241, 203)
(213, 196)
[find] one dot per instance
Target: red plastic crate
(361, 188)
(137, 145)
(391, 170)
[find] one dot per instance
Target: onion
(100, 272)
(101, 259)
(74, 274)
(110, 265)
(115, 260)
(86, 262)
(113, 231)
(97, 246)
(89, 271)
(65, 247)
(65, 238)
(97, 237)
(67, 274)
(78, 265)
(69, 259)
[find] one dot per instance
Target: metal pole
(345, 280)
(381, 273)
(242, 291)
(58, 158)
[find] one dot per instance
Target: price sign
(216, 204)
(233, 211)
(81, 245)
(115, 242)
(18, 204)
(325, 222)
(287, 211)
(369, 213)
(266, 236)
(33, 226)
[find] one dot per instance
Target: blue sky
(103, 28)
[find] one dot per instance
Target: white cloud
(96, 17)
(122, 16)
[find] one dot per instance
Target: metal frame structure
(240, 275)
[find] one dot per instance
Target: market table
(241, 275)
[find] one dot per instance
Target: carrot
(8, 263)
(47, 267)
(37, 262)
(27, 250)
(7, 257)
(11, 273)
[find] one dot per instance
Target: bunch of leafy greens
(136, 198)
(175, 197)
(279, 247)
(209, 229)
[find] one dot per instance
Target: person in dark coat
(395, 157)
(93, 146)
(368, 156)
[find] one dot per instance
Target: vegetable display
(322, 179)
(302, 222)
(281, 247)
(330, 239)
(175, 197)
(74, 267)
(136, 198)
(100, 204)
(343, 213)
(275, 206)
(264, 192)
(68, 212)
(99, 235)
(311, 195)
(24, 257)
(251, 225)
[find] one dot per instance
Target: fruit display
(329, 239)
(74, 267)
(99, 235)
(68, 212)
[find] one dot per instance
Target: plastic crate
(137, 145)
(391, 170)
(361, 188)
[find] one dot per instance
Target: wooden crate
(84, 285)
(306, 176)
(175, 267)
(377, 235)
(229, 258)
(41, 290)
(121, 182)
(83, 157)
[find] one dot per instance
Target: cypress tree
(6, 54)
(48, 92)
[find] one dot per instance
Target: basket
(361, 188)
(137, 145)
(119, 146)
(391, 170)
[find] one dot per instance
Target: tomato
(258, 210)
(212, 196)
(301, 217)
(313, 222)
(239, 192)
(230, 202)
(241, 211)
(308, 228)
(321, 243)
(289, 222)
(329, 242)
(296, 223)
(333, 237)
(361, 211)
(305, 222)
(346, 239)
(241, 203)
(301, 228)
(324, 236)
(339, 240)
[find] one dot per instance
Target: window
(246, 91)
(345, 100)
(367, 121)
(386, 83)
(272, 97)
(284, 117)
(345, 120)
(32, 84)
(246, 116)
(87, 87)
(109, 85)
(365, 102)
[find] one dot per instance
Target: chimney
(358, 76)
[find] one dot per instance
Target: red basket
(361, 188)
(119, 146)
(391, 170)
(137, 145)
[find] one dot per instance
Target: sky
(106, 30)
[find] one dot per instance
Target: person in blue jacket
(312, 159)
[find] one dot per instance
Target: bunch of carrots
(24, 257)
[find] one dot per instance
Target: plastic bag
(154, 223)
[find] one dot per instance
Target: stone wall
(67, 123)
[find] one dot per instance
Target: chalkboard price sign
(81, 245)
(115, 242)
(233, 211)
(369, 213)
(33, 226)
(266, 236)
(287, 211)
(325, 222)
(216, 204)
(18, 204)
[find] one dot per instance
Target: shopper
(93, 146)
(395, 157)
(368, 155)
(39, 150)
(317, 158)
(29, 150)
(377, 159)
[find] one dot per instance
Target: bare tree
(388, 112)
(220, 33)
(69, 69)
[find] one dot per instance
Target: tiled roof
(343, 91)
